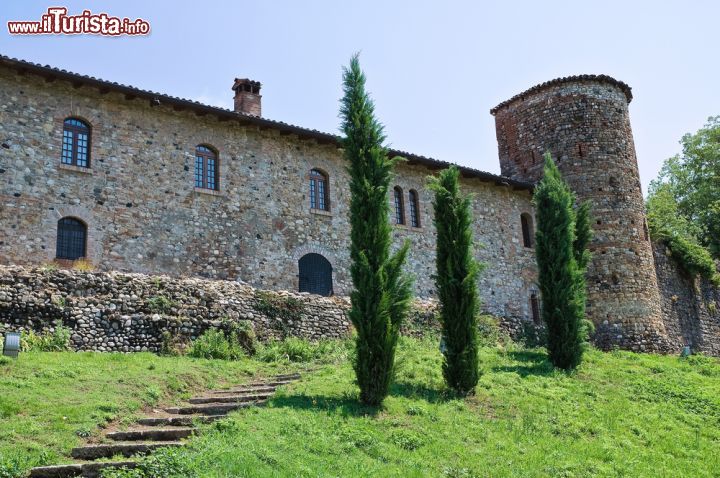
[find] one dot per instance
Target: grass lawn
(620, 414)
(52, 401)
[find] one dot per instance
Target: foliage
(621, 414)
(173, 345)
(83, 265)
(165, 463)
(56, 341)
(456, 282)
(279, 309)
(242, 332)
(11, 467)
(160, 304)
(381, 295)
(214, 344)
(489, 333)
(293, 349)
(667, 224)
(691, 179)
(561, 267)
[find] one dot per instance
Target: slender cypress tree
(456, 282)
(562, 258)
(381, 291)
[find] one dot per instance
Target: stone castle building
(138, 181)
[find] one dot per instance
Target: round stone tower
(583, 121)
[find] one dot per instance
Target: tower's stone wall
(584, 123)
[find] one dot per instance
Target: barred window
(76, 143)
(206, 168)
(527, 229)
(319, 191)
(414, 208)
(71, 239)
(399, 206)
(535, 308)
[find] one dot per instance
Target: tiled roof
(156, 98)
(568, 79)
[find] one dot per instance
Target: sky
(434, 69)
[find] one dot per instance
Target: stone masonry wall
(144, 215)
(584, 123)
(112, 311)
(691, 306)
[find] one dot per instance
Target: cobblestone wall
(130, 312)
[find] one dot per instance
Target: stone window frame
(208, 152)
(95, 133)
(93, 238)
(527, 230)
(399, 206)
(313, 191)
(414, 204)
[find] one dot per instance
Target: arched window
(535, 308)
(71, 239)
(315, 274)
(414, 208)
(319, 191)
(76, 143)
(527, 229)
(399, 206)
(206, 168)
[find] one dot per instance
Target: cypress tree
(561, 250)
(456, 282)
(381, 291)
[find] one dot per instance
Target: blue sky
(434, 68)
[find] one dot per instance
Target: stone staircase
(163, 428)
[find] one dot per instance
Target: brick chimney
(247, 96)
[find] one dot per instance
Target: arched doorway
(71, 240)
(315, 274)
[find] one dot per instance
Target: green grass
(620, 414)
(53, 401)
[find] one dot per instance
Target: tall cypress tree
(456, 282)
(561, 250)
(381, 291)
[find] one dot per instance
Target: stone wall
(691, 306)
(144, 215)
(112, 311)
(584, 123)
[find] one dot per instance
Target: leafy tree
(692, 179)
(562, 257)
(667, 224)
(456, 281)
(382, 292)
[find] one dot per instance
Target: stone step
(178, 420)
(85, 470)
(243, 390)
(210, 408)
(154, 434)
(231, 398)
(287, 376)
(108, 450)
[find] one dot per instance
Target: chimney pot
(247, 96)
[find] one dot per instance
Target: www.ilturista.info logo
(57, 22)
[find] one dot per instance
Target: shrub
(160, 304)
(489, 333)
(213, 344)
(293, 349)
(243, 333)
(172, 345)
(5, 360)
(56, 341)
